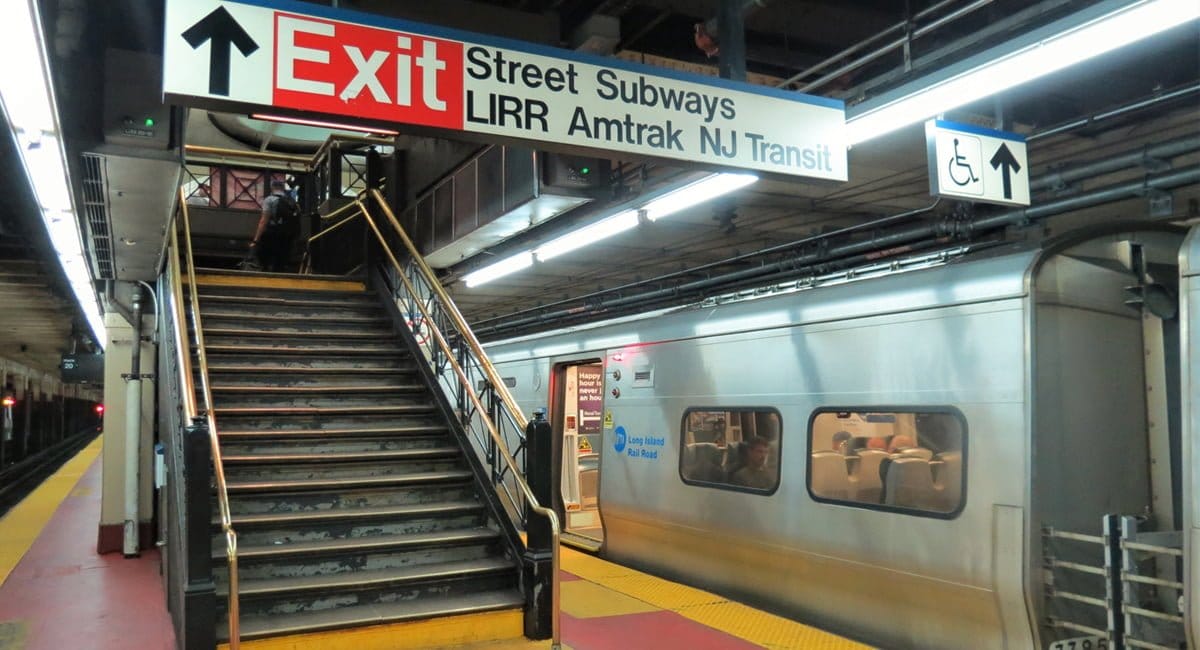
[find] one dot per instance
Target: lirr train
(922, 459)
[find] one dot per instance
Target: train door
(1106, 443)
(578, 420)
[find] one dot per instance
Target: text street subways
(970, 162)
(323, 60)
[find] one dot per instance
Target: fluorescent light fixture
(617, 223)
(696, 193)
(26, 96)
(518, 262)
(1089, 39)
(328, 125)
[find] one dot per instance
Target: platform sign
(259, 55)
(977, 164)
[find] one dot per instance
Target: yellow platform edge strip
(444, 632)
(213, 280)
(710, 610)
(22, 525)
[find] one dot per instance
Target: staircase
(353, 501)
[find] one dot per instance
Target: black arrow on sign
(224, 32)
(1004, 157)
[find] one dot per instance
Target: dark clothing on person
(274, 247)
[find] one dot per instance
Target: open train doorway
(578, 421)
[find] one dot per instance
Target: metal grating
(96, 215)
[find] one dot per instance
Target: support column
(731, 35)
(117, 362)
(538, 565)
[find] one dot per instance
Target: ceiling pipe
(946, 227)
(890, 47)
(1147, 156)
(1161, 150)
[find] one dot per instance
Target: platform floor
(58, 594)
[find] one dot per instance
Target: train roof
(945, 278)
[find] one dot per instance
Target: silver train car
(1189, 292)
(919, 459)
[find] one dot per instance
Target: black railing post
(199, 592)
(1113, 564)
(538, 561)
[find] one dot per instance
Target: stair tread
(321, 410)
(223, 348)
(335, 514)
(320, 334)
(293, 318)
(328, 299)
(341, 483)
(396, 454)
(340, 388)
(362, 544)
(332, 433)
(368, 579)
(256, 627)
(308, 370)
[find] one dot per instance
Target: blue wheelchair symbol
(619, 444)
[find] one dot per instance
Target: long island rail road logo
(258, 55)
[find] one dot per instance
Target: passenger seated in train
(756, 473)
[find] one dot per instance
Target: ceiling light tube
(1060, 50)
(27, 99)
(696, 193)
(613, 225)
(321, 123)
(520, 261)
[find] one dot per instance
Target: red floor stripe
(665, 630)
(68, 597)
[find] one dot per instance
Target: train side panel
(947, 337)
(1189, 264)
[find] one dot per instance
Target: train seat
(909, 483)
(702, 461)
(870, 484)
(948, 477)
(915, 452)
(735, 456)
(830, 478)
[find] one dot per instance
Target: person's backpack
(284, 214)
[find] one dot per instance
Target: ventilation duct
(499, 193)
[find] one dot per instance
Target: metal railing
(469, 378)
(191, 407)
(1135, 606)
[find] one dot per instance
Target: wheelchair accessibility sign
(977, 164)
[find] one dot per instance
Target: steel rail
(218, 466)
(308, 161)
(498, 384)
(1075, 537)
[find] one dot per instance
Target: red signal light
(99, 409)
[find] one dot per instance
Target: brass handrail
(218, 465)
(464, 330)
(182, 358)
(299, 159)
(455, 316)
(304, 262)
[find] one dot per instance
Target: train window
(734, 448)
(891, 459)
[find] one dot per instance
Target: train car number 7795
(1081, 643)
